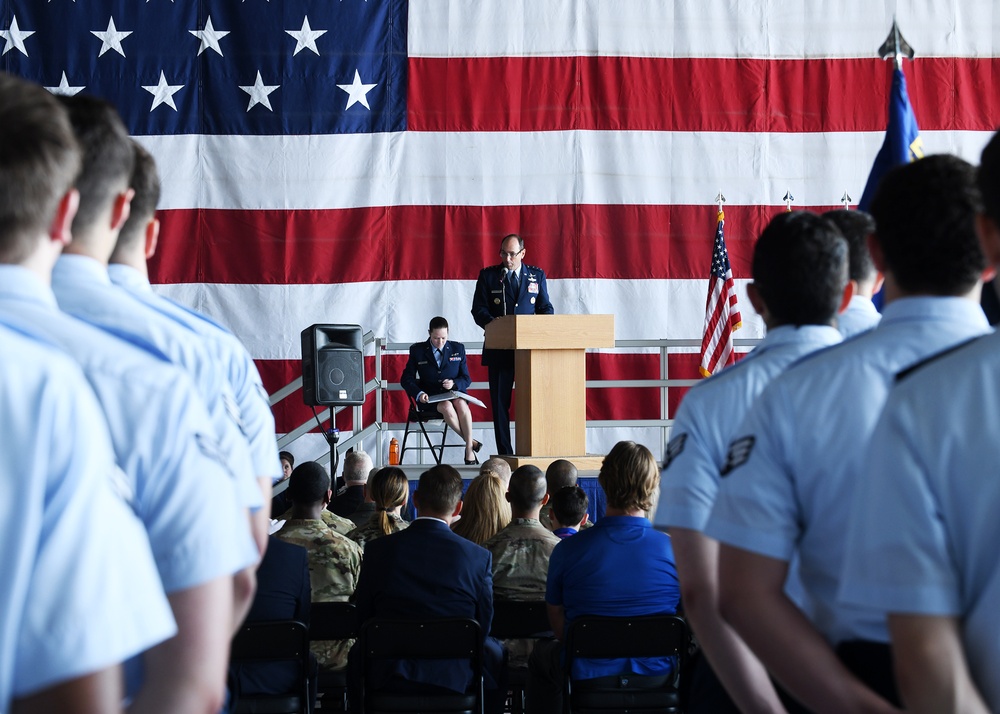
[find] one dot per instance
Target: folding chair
(519, 620)
(383, 641)
(332, 621)
(421, 419)
(272, 642)
(613, 637)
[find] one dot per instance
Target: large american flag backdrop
(357, 161)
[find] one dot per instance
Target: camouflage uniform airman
(338, 523)
(371, 530)
(334, 567)
(520, 568)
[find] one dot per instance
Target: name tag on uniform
(421, 362)
(532, 287)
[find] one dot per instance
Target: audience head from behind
(39, 162)
(559, 474)
(439, 493)
(108, 160)
(140, 232)
(497, 466)
(569, 508)
(857, 228)
(309, 489)
(799, 271)
(988, 221)
(388, 488)
(357, 466)
(925, 229)
(526, 492)
(485, 510)
(630, 479)
(287, 463)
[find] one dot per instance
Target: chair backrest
(433, 639)
(514, 619)
(272, 642)
(594, 637)
(333, 621)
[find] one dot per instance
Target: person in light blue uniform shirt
(163, 441)
(83, 289)
(923, 533)
(137, 242)
(160, 432)
(792, 470)
(857, 228)
(799, 276)
(81, 592)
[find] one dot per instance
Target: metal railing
(379, 348)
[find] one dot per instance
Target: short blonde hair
(485, 511)
(629, 477)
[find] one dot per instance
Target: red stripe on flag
(369, 244)
(670, 94)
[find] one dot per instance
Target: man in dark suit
(426, 571)
(435, 366)
(510, 288)
(283, 593)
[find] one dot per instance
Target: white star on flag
(163, 93)
(209, 37)
(258, 93)
(64, 88)
(15, 38)
(111, 38)
(305, 39)
(357, 92)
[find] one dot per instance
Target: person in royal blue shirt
(568, 511)
(620, 567)
(436, 366)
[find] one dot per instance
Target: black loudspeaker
(333, 371)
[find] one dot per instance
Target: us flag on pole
(722, 314)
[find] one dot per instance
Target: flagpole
(720, 199)
(896, 46)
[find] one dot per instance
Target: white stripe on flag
(508, 168)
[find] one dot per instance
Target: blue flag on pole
(902, 144)
(902, 138)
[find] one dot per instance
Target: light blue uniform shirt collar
(129, 278)
(934, 309)
(78, 270)
(822, 335)
(22, 284)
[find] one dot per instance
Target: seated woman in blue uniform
(437, 366)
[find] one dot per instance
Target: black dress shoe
(476, 446)
(474, 460)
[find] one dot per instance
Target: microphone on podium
(503, 287)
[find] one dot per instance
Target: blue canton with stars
(720, 256)
(219, 66)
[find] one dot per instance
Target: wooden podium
(551, 379)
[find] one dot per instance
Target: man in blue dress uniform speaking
(510, 288)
